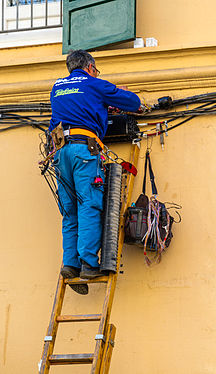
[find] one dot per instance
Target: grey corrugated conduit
(112, 205)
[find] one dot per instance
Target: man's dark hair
(78, 59)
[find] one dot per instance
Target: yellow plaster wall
(179, 22)
(30, 76)
(165, 315)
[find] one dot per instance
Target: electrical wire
(171, 127)
(32, 107)
(41, 120)
(211, 96)
(17, 121)
(184, 113)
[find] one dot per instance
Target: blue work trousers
(82, 215)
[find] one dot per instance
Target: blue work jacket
(81, 100)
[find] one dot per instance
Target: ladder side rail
(53, 326)
(103, 326)
(108, 349)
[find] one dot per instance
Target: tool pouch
(93, 146)
(58, 136)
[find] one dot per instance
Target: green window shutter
(88, 24)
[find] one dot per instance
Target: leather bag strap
(151, 174)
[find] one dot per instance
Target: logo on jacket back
(67, 91)
(70, 80)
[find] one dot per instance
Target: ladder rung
(103, 279)
(84, 358)
(79, 318)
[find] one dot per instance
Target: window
(93, 23)
(20, 15)
(27, 2)
(30, 22)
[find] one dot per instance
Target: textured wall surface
(165, 315)
(178, 22)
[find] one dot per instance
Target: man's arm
(119, 98)
(53, 121)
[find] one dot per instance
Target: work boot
(71, 272)
(89, 272)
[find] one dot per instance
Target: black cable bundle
(112, 201)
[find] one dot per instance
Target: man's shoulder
(99, 84)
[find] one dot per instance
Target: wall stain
(171, 283)
(166, 186)
(8, 309)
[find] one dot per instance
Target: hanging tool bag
(147, 221)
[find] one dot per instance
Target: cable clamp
(48, 338)
(100, 337)
(136, 142)
(66, 132)
(158, 127)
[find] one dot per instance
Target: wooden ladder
(100, 359)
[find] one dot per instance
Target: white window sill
(31, 37)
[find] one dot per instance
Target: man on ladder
(80, 104)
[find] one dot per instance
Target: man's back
(81, 100)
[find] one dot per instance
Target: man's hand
(144, 108)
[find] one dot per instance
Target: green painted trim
(101, 33)
(84, 4)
